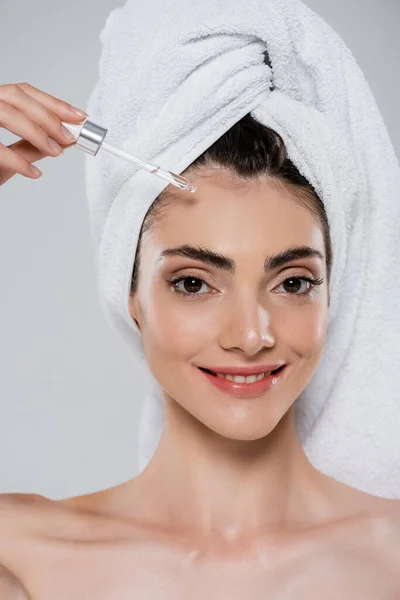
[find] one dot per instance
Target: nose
(248, 327)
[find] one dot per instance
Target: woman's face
(241, 316)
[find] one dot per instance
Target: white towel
(173, 78)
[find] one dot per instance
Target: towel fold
(173, 78)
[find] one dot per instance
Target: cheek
(305, 329)
(175, 327)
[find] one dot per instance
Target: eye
(309, 281)
(191, 285)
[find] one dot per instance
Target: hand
(36, 117)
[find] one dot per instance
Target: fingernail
(67, 134)
(56, 147)
(79, 112)
(36, 171)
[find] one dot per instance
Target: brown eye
(292, 288)
(192, 284)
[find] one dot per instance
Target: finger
(27, 150)
(37, 112)
(30, 152)
(12, 163)
(63, 109)
(15, 121)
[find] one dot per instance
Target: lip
(254, 370)
(245, 390)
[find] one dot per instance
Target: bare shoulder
(31, 521)
(31, 518)
(25, 519)
(10, 586)
(17, 499)
(17, 511)
(380, 537)
(15, 514)
(387, 531)
(22, 516)
(383, 517)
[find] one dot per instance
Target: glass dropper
(90, 138)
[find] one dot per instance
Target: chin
(242, 423)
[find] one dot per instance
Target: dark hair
(249, 150)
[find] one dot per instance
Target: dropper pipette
(90, 138)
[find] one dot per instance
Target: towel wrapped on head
(172, 80)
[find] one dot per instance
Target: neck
(228, 490)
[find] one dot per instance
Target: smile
(245, 387)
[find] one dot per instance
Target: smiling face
(232, 312)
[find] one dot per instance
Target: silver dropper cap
(88, 135)
(91, 137)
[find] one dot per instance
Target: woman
(233, 280)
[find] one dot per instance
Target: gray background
(70, 399)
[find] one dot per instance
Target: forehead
(224, 209)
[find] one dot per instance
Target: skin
(229, 505)
(220, 447)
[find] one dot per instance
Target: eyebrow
(220, 261)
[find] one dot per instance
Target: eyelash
(313, 283)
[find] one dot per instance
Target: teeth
(242, 379)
